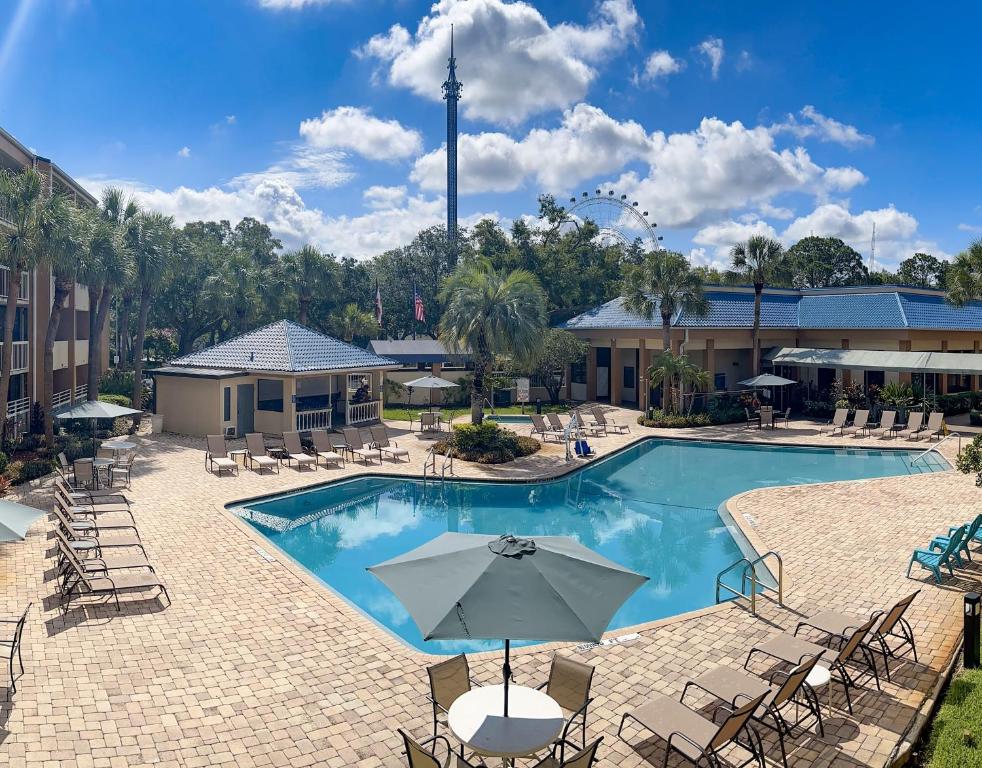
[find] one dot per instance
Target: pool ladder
(751, 574)
(429, 465)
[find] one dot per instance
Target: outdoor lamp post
(973, 612)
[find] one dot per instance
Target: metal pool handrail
(750, 566)
(937, 445)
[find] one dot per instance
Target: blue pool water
(511, 418)
(652, 507)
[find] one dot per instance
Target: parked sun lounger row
(945, 548)
(887, 426)
(331, 448)
(593, 422)
(99, 547)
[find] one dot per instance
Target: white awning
(968, 363)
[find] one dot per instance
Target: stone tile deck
(256, 664)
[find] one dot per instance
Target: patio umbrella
(15, 519)
(430, 383)
(481, 587)
(95, 410)
(767, 380)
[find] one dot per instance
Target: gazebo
(276, 379)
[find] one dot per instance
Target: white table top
(533, 723)
(120, 445)
(103, 462)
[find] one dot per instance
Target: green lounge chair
(971, 535)
(933, 561)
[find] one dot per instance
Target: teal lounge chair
(973, 534)
(932, 561)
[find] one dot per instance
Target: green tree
(678, 372)
(761, 259)
(306, 272)
(825, 262)
(557, 350)
(663, 284)
(923, 270)
(353, 321)
(491, 312)
(964, 279)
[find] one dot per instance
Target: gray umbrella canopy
(491, 588)
(15, 519)
(430, 382)
(767, 380)
(96, 409)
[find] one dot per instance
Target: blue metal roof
(284, 347)
(850, 308)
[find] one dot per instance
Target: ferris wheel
(620, 221)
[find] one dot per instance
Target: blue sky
(324, 117)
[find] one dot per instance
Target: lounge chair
(694, 736)
(913, 426)
(11, 648)
(608, 426)
(102, 512)
(357, 447)
(858, 424)
(556, 423)
(569, 686)
(69, 561)
(323, 448)
(65, 467)
(449, 680)
(794, 650)
(257, 455)
(111, 583)
(543, 430)
(81, 526)
(380, 439)
(934, 561)
(935, 425)
(593, 427)
(839, 626)
(93, 545)
(885, 427)
(584, 758)
(90, 498)
(293, 451)
(339, 444)
(418, 756)
(838, 421)
(217, 458)
(971, 534)
(792, 691)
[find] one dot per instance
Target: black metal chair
(12, 646)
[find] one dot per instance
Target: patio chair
(793, 691)
(940, 542)
(217, 456)
(836, 624)
(352, 437)
(122, 468)
(430, 422)
(339, 445)
(69, 561)
(418, 756)
(556, 423)
(602, 420)
(935, 425)
(793, 650)
(90, 498)
(593, 427)
(84, 473)
(694, 736)
(934, 561)
(914, 421)
(753, 422)
(380, 439)
(323, 449)
(65, 467)
(885, 427)
(786, 418)
(111, 583)
(74, 506)
(257, 455)
(540, 428)
(93, 545)
(449, 680)
(294, 452)
(858, 424)
(970, 537)
(837, 422)
(584, 758)
(12, 647)
(81, 526)
(569, 686)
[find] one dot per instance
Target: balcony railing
(316, 419)
(82, 393)
(25, 285)
(5, 214)
(20, 361)
(360, 413)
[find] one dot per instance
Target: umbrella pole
(506, 671)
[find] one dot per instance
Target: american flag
(418, 308)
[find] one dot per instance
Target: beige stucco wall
(190, 406)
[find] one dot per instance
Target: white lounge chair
(357, 447)
(294, 451)
(935, 425)
(324, 449)
(216, 459)
(885, 427)
(258, 455)
(914, 422)
(858, 424)
(380, 439)
(838, 421)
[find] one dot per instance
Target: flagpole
(414, 307)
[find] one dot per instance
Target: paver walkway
(256, 664)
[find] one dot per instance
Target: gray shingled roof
(286, 347)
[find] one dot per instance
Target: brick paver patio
(257, 664)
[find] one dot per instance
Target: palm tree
(153, 236)
(354, 322)
(31, 213)
(491, 312)
(665, 284)
(66, 241)
(964, 281)
(680, 371)
(761, 259)
(305, 270)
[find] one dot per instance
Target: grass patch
(955, 740)
(402, 413)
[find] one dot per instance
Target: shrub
(123, 400)
(116, 382)
(74, 447)
(13, 470)
(970, 459)
(487, 443)
(975, 417)
(4, 485)
(658, 418)
(725, 409)
(960, 402)
(818, 409)
(37, 419)
(4, 460)
(34, 469)
(29, 442)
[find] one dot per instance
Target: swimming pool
(652, 507)
(511, 418)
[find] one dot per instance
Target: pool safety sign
(522, 385)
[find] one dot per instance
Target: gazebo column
(974, 381)
(436, 370)
(591, 374)
(846, 373)
(944, 376)
(641, 377)
(616, 374)
(904, 376)
(711, 363)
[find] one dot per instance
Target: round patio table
(118, 445)
(533, 723)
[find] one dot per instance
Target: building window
(629, 382)
(578, 372)
(270, 395)
(959, 383)
(719, 382)
(227, 404)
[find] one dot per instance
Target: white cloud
(381, 197)
(293, 5)
(723, 235)
(744, 61)
(358, 130)
(843, 179)
(512, 62)
(304, 167)
(775, 212)
(816, 125)
(230, 119)
(970, 228)
(712, 49)
(661, 64)
(184, 152)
